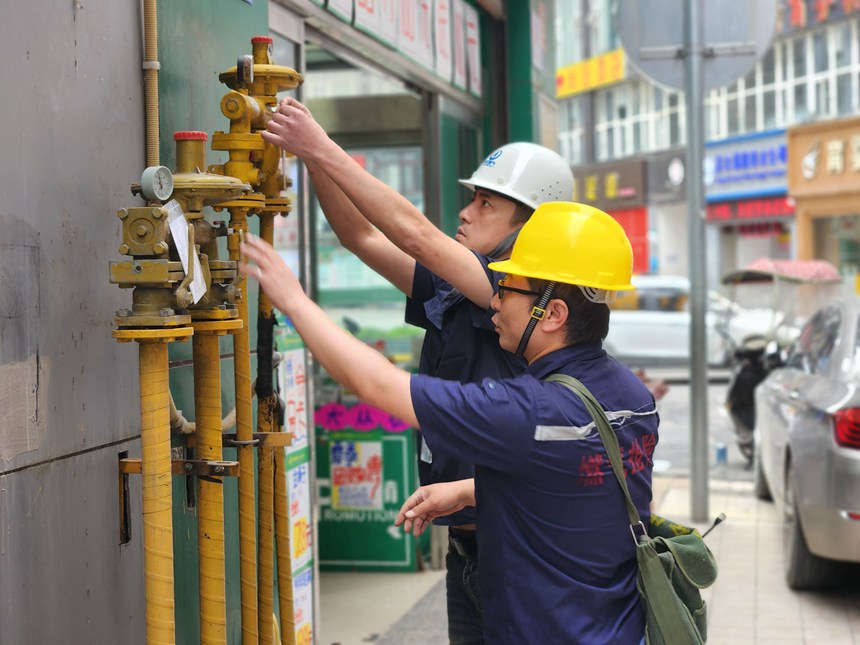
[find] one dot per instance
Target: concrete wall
(72, 133)
(72, 139)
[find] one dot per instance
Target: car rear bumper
(830, 533)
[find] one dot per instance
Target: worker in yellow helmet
(557, 561)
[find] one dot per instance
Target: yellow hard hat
(574, 244)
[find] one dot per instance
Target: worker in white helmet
(447, 283)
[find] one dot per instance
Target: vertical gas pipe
(268, 410)
(255, 82)
(210, 505)
(274, 183)
(213, 316)
(240, 142)
(153, 322)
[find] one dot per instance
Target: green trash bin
(365, 462)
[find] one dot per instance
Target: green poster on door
(365, 471)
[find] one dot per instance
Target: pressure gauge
(157, 183)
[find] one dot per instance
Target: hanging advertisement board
(442, 23)
(473, 49)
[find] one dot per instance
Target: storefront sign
(667, 175)
(389, 19)
(367, 15)
(341, 8)
(441, 35)
(458, 31)
(473, 49)
(824, 158)
(356, 473)
(747, 166)
(590, 74)
(442, 23)
(294, 393)
(415, 38)
(801, 14)
(610, 186)
(303, 594)
(300, 516)
(751, 209)
(634, 221)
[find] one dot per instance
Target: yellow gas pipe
(267, 421)
(244, 439)
(210, 510)
(213, 316)
(156, 477)
(282, 539)
(254, 87)
(150, 80)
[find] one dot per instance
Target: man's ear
(556, 315)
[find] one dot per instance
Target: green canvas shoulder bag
(674, 562)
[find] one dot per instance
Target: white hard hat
(526, 173)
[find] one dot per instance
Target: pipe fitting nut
(122, 213)
(160, 248)
(123, 249)
(165, 312)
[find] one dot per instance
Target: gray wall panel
(72, 136)
(64, 577)
(72, 141)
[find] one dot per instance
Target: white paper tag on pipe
(179, 229)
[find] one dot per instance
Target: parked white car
(651, 325)
(807, 434)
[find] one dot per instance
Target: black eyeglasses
(503, 287)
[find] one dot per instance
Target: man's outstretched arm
(358, 235)
(292, 127)
(349, 361)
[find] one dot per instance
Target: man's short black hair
(587, 322)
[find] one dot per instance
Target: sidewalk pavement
(749, 604)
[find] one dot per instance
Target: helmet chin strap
(504, 245)
(538, 312)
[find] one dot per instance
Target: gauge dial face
(157, 183)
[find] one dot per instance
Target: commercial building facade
(608, 111)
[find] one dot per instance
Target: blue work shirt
(558, 562)
(460, 344)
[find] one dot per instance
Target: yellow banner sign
(590, 74)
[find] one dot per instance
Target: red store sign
(747, 209)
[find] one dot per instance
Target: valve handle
(182, 293)
(245, 70)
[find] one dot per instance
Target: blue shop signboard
(754, 165)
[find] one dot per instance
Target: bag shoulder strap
(607, 435)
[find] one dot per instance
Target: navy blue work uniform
(558, 562)
(460, 344)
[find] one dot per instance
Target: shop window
(750, 113)
(733, 116)
(819, 49)
(799, 57)
(844, 95)
(801, 108)
(768, 67)
(769, 110)
(822, 97)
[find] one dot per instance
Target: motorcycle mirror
(773, 355)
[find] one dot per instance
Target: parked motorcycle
(748, 370)
(789, 290)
